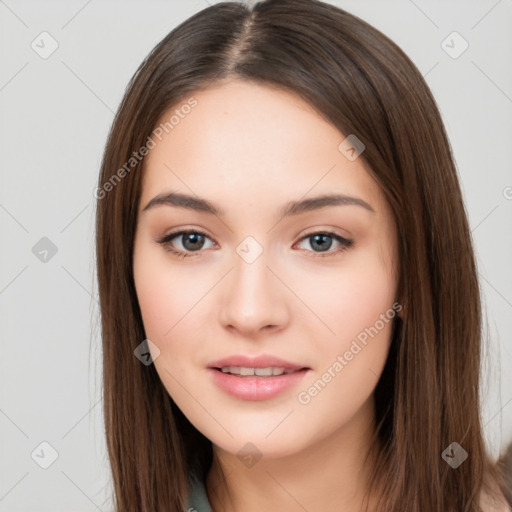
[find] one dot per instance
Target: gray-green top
(197, 500)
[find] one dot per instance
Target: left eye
(321, 240)
(193, 241)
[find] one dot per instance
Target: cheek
(170, 302)
(159, 292)
(166, 298)
(359, 309)
(151, 294)
(366, 298)
(350, 298)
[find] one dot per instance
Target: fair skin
(249, 150)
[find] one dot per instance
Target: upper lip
(262, 361)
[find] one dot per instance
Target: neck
(331, 474)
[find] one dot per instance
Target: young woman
(290, 308)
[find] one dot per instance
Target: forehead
(251, 140)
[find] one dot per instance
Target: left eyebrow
(315, 203)
(292, 208)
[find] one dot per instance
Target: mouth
(256, 384)
(263, 365)
(269, 371)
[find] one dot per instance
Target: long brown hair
(364, 84)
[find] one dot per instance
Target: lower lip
(256, 388)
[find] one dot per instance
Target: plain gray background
(55, 116)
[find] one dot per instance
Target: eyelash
(165, 241)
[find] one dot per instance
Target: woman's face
(315, 287)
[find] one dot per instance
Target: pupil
(322, 246)
(196, 237)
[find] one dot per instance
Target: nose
(254, 299)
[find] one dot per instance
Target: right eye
(192, 242)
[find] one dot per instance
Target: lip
(253, 387)
(261, 361)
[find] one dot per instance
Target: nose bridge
(253, 298)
